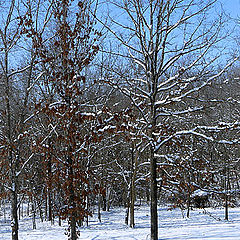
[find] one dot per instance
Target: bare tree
(19, 79)
(175, 46)
(10, 36)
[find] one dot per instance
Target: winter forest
(113, 107)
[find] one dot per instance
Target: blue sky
(232, 7)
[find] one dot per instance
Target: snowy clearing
(172, 225)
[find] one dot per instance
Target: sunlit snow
(202, 224)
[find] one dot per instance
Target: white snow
(201, 225)
(199, 192)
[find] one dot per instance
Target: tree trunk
(88, 208)
(14, 209)
(34, 214)
(226, 193)
(127, 213)
(153, 167)
(59, 221)
(132, 223)
(4, 210)
(53, 218)
(104, 202)
(19, 213)
(22, 208)
(147, 194)
(49, 185)
(226, 206)
(188, 206)
(40, 211)
(73, 227)
(132, 200)
(99, 207)
(153, 187)
(12, 164)
(46, 207)
(108, 198)
(227, 185)
(132, 192)
(72, 204)
(28, 208)
(49, 205)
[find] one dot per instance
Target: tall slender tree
(68, 110)
(16, 104)
(165, 41)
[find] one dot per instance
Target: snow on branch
(24, 165)
(194, 131)
(176, 113)
(19, 71)
(35, 81)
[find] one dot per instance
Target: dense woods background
(117, 103)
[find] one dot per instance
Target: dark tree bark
(153, 193)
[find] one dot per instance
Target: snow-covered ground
(172, 225)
